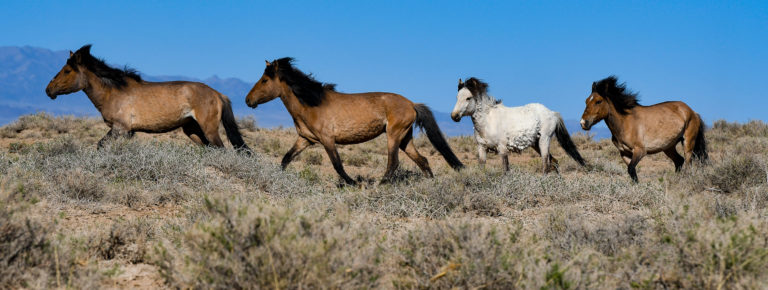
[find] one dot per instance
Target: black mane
(309, 91)
(109, 76)
(479, 89)
(476, 86)
(622, 98)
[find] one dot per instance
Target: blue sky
(711, 54)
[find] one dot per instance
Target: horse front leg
(301, 144)
(637, 154)
(114, 133)
(109, 136)
(482, 154)
(505, 161)
(333, 154)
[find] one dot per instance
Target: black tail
(230, 126)
(700, 147)
(565, 141)
(426, 121)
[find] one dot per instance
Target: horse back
(668, 109)
(375, 103)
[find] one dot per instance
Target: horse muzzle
(586, 124)
(50, 94)
(455, 117)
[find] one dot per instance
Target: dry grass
(157, 211)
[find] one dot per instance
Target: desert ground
(157, 211)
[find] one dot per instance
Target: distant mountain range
(26, 71)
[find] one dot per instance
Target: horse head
(70, 78)
(468, 97)
(596, 109)
(267, 88)
(608, 97)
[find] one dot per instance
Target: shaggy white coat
(507, 129)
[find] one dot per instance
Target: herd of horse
(323, 115)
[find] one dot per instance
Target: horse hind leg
(671, 152)
(394, 139)
(195, 133)
(211, 132)
(546, 158)
(689, 141)
(410, 150)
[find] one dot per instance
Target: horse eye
(264, 81)
(469, 98)
(598, 102)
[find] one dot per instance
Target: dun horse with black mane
(639, 130)
(129, 104)
(323, 115)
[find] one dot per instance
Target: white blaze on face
(461, 102)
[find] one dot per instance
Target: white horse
(504, 129)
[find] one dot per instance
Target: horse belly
(656, 145)
(659, 140)
(359, 133)
(158, 120)
(517, 139)
(522, 140)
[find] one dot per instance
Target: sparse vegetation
(158, 211)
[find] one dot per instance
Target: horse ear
(460, 82)
(594, 86)
(268, 64)
(70, 53)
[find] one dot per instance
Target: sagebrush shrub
(735, 172)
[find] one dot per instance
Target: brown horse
(639, 130)
(323, 115)
(128, 104)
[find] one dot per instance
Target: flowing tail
(426, 121)
(230, 126)
(565, 141)
(700, 146)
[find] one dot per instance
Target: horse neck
(97, 91)
(291, 102)
(614, 120)
(479, 117)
